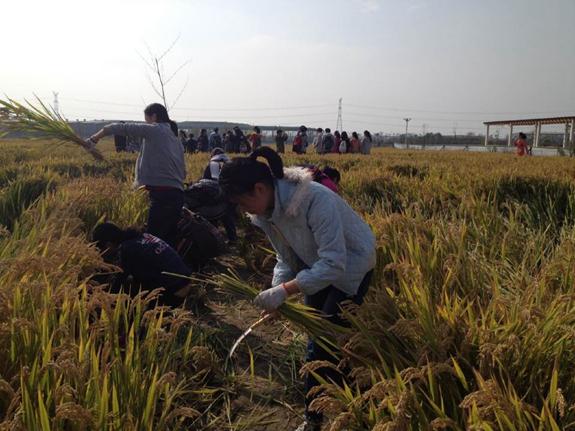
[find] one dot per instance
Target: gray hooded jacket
(319, 239)
(161, 158)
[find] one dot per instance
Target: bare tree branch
(177, 70)
(170, 48)
(155, 73)
(182, 92)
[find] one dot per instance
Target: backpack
(342, 147)
(198, 239)
(328, 142)
(205, 198)
(217, 141)
(297, 143)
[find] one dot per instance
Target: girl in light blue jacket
(324, 249)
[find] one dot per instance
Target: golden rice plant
(42, 122)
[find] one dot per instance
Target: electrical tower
(339, 125)
(55, 107)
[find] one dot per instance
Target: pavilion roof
(532, 121)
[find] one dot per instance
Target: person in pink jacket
(337, 137)
(520, 143)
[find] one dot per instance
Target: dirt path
(267, 392)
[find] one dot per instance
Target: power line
(204, 109)
(221, 118)
(455, 113)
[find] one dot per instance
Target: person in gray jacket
(324, 249)
(366, 143)
(160, 168)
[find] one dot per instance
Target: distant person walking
(120, 142)
(183, 138)
(160, 168)
(215, 140)
(316, 144)
(228, 142)
(520, 143)
(240, 142)
(300, 141)
(281, 138)
(337, 138)
(256, 138)
(191, 144)
(355, 143)
(345, 144)
(327, 142)
(203, 141)
(366, 143)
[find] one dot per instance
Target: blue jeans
(328, 301)
(165, 212)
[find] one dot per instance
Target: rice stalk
(43, 122)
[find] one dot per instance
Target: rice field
(469, 323)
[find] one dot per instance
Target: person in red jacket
(337, 137)
(520, 143)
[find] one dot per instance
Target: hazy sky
(439, 62)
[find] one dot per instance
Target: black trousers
(328, 301)
(165, 212)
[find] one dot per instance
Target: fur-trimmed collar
(302, 177)
(287, 199)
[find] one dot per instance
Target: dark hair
(278, 131)
(354, 134)
(344, 136)
(257, 129)
(203, 132)
(161, 115)
(110, 232)
(216, 129)
(183, 132)
(191, 135)
(522, 135)
(327, 130)
(241, 174)
(366, 133)
(336, 133)
(302, 129)
(319, 130)
(332, 173)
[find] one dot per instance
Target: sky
(443, 63)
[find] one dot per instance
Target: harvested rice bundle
(42, 122)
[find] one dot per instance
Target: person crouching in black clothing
(143, 258)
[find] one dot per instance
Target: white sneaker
(307, 426)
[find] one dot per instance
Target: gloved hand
(91, 144)
(271, 299)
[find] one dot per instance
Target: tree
(158, 79)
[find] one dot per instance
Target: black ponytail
(110, 232)
(161, 115)
(242, 174)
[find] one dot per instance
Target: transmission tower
(55, 102)
(339, 125)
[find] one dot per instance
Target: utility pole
(55, 102)
(407, 120)
(339, 125)
(455, 132)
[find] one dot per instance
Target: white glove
(271, 299)
(91, 144)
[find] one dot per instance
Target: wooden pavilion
(537, 122)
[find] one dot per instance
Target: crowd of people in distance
(235, 141)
